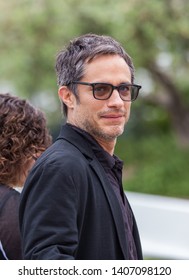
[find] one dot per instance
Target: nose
(115, 99)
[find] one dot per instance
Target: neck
(107, 146)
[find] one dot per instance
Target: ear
(66, 96)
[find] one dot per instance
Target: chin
(116, 131)
(112, 135)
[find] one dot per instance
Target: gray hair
(71, 61)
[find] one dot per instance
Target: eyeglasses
(103, 91)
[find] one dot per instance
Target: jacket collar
(72, 136)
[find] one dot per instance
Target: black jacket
(68, 209)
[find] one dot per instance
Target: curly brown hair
(23, 134)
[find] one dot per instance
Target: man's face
(103, 119)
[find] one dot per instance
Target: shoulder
(9, 197)
(63, 154)
(7, 192)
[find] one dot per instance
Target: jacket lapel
(114, 206)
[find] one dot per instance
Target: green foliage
(32, 32)
(154, 165)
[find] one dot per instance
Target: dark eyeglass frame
(134, 89)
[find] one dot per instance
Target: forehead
(107, 67)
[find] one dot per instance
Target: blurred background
(155, 145)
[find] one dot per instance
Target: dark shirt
(113, 168)
(9, 224)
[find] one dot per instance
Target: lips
(112, 116)
(113, 119)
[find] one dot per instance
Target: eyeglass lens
(103, 91)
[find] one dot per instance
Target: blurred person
(23, 137)
(81, 211)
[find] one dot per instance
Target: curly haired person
(23, 137)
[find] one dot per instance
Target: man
(73, 205)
